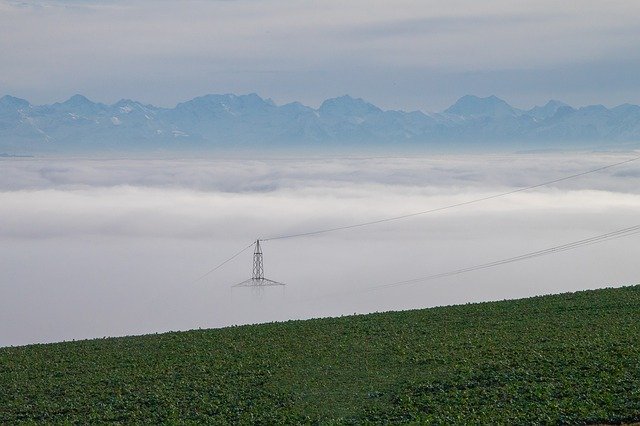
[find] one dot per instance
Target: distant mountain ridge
(250, 121)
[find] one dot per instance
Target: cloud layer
(96, 247)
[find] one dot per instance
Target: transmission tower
(257, 278)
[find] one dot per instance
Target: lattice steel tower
(257, 279)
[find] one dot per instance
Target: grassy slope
(568, 358)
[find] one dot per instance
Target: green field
(571, 358)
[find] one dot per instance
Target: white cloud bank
(109, 247)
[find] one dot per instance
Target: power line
(464, 203)
(394, 218)
(225, 262)
(625, 232)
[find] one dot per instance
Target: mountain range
(250, 121)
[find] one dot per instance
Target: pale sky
(401, 54)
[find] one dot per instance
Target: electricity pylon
(257, 278)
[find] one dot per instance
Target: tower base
(258, 282)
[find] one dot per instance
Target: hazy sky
(92, 248)
(400, 54)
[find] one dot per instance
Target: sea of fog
(110, 247)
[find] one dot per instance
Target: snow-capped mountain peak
(471, 106)
(13, 103)
(347, 106)
(231, 120)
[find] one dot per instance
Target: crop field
(571, 358)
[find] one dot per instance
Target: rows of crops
(572, 358)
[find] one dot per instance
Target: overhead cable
(225, 262)
(437, 209)
(625, 232)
